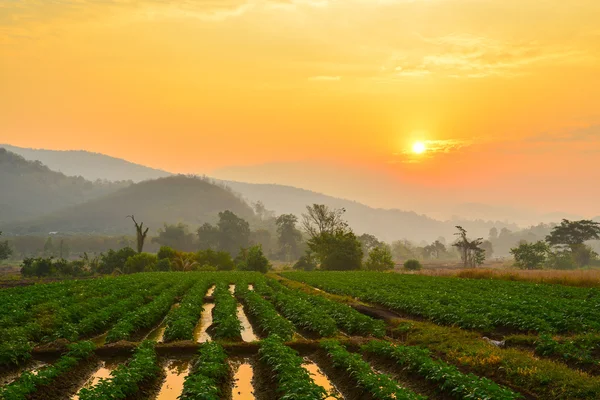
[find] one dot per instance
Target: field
(298, 335)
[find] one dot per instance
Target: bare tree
(320, 219)
(141, 233)
(470, 251)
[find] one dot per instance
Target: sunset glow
(219, 88)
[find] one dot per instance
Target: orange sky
(505, 93)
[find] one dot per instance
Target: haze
(325, 95)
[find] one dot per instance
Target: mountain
(166, 200)
(386, 224)
(29, 189)
(91, 166)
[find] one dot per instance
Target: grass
(580, 278)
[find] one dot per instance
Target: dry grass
(580, 278)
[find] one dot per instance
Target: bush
(412, 265)
(221, 260)
(338, 252)
(163, 264)
(306, 263)
(142, 262)
(530, 256)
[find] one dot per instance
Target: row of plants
(448, 377)
(347, 319)
(30, 382)
(293, 380)
(582, 350)
(181, 321)
(264, 313)
(208, 374)
(299, 311)
(379, 386)
(467, 303)
(126, 379)
(226, 324)
(148, 315)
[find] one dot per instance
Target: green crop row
(293, 381)
(269, 321)
(380, 386)
(225, 321)
(468, 303)
(448, 377)
(30, 382)
(208, 374)
(148, 315)
(126, 379)
(301, 312)
(582, 350)
(181, 321)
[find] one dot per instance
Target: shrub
(412, 265)
(142, 262)
(221, 260)
(306, 263)
(163, 264)
(166, 252)
(255, 260)
(115, 260)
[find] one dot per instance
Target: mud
(201, 332)
(175, 373)
(243, 376)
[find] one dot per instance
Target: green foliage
(446, 376)
(380, 259)
(297, 309)
(142, 262)
(5, 250)
(234, 232)
(379, 386)
(413, 265)
(531, 255)
(268, 319)
(573, 233)
(125, 381)
(340, 251)
(579, 350)
(288, 236)
(30, 382)
(44, 267)
(254, 260)
(221, 260)
(208, 237)
(181, 321)
(471, 251)
(226, 324)
(208, 374)
(163, 265)
(307, 262)
(293, 381)
(176, 236)
(467, 303)
(166, 253)
(115, 260)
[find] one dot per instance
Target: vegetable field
(243, 335)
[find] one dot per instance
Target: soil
(66, 385)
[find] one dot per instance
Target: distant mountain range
(102, 208)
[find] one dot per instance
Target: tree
(470, 251)
(166, 253)
(114, 260)
(208, 237)
(340, 251)
(234, 232)
(380, 259)
(255, 260)
(369, 242)
(184, 262)
(435, 250)
(403, 250)
(570, 237)
(49, 248)
(288, 236)
(320, 219)
(5, 250)
(177, 237)
(493, 234)
(140, 233)
(63, 249)
(531, 255)
(488, 248)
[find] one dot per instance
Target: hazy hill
(29, 189)
(91, 166)
(165, 200)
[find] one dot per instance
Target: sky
(328, 95)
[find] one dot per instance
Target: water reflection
(176, 371)
(242, 380)
(321, 379)
(247, 332)
(200, 334)
(101, 373)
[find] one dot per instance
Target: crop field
(298, 335)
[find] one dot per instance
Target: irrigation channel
(248, 380)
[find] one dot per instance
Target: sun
(419, 148)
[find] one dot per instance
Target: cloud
(433, 148)
(326, 78)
